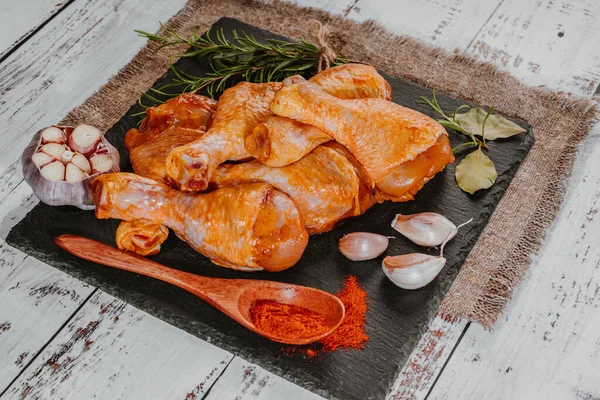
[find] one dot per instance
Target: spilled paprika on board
(350, 334)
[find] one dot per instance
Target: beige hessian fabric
(503, 253)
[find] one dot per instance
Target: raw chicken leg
(186, 111)
(381, 135)
(281, 141)
(324, 185)
(353, 81)
(148, 158)
(176, 122)
(248, 227)
(240, 109)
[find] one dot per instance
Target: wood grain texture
(113, 351)
(550, 43)
(448, 24)
(63, 64)
(243, 380)
(35, 299)
(427, 359)
(24, 19)
(504, 37)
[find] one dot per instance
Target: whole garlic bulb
(60, 162)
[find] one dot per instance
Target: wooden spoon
(234, 297)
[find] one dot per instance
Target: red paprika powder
(351, 333)
(286, 320)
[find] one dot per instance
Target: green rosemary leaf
(231, 60)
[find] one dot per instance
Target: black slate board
(396, 318)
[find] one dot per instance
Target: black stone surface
(396, 318)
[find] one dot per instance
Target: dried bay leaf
(496, 126)
(476, 171)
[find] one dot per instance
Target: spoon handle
(101, 253)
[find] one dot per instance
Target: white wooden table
(60, 338)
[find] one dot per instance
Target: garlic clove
(412, 271)
(66, 156)
(54, 150)
(73, 174)
(55, 171)
(101, 148)
(361, 246)
(84, 139)
(53, 134)
(102, 162)
(425, 229)
(81, 162)
(40, 159)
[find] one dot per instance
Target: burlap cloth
(514, 233)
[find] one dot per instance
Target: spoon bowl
(234, 297)
(318, 301)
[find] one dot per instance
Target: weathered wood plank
(550, 43)
(547, 344)
(243, 380)
(63, 64)
(333, 6)
(427, 359)
(20, 19)
(442, 342)
(448, 24)
(113, 351)
(35, 299)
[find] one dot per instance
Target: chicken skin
(192, 166)
(381, 135)
(187, 110)
(247, 227)
(323, 184)
(176, 122)
(281, 141)
(353, 81)
(141, 236)
(148, 158)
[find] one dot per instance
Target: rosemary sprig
(476, 171)
(450, 122)
(232, 60)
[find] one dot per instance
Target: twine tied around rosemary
(326, 56)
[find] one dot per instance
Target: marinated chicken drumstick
(323, 184)
(240, 109)
(187, 110)
(353, 81)
(281, 141)
(248, 227)
(176, 122)
(381, 135)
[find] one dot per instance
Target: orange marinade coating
(247, 227)
(187, 110)
(192, 166)
(324, 185)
